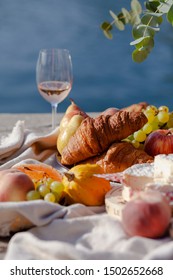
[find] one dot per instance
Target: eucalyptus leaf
(106, 26)
(152, 5)
(139, 55)
(170, 15)
(147, 43)
(137, 41)
(145, 23)
(126, 15)
(113, 15)
(135, 18)
(142, 31)
(154, 14)
(136, 6)
(150, 27)
(122, 18)
(108, 34)
(118, 23)
(165, 6)
(151, 20)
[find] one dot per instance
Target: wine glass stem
(54, 112)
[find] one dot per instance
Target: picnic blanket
(74, 232)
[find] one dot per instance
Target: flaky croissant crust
(94, 136)
(120, 156)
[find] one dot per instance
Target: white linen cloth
(23, 143)
(58, 232)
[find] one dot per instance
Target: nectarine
(147, 214)
(14, 185)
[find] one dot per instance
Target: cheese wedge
(138, 175)
(163, 168)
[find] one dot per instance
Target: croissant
(120, 156)
(136, 107)
(95, 135)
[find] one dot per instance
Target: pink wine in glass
(54, 91)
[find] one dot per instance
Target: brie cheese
(138, 175)
(163, 168)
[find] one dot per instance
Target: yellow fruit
(82, 186)
(71, 111)
(66, 133)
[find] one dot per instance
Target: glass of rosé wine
(54, 77)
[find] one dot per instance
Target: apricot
(14, 185)
(147, 214)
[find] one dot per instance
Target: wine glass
(54, 77)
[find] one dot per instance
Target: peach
(14, 185)
(147, 214)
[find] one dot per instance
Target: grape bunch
(46, 189)
(158, 118)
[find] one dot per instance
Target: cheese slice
(138, 175)
(163, 168)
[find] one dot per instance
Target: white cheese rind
(163, 168)
(138, 175)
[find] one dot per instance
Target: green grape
(57, 188)
(163, 109)
(163, 117)
(135, 143)
(50, 197)
(170, 121)
(147, 128)
(49, 181)
(155, 125)
(150, 116)
(140, 136)
(130, 137)
(151, 109)
(43, 190)
(33, 195)
(38, 183)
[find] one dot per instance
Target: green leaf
(170, 15)
(113, 15)
(165, 6)
(151, 20)
(139, 55)
(118, 23)
(142, 31)
(126, 15)
(152, 6)
(135, 18)
(136, 6)
(137, 41)
(108, 34)
(147, 43)
(106, 26)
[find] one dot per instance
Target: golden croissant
(120, 156)
(95, 135)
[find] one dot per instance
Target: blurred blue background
(104, 73)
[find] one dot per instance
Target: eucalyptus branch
(145, 23)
